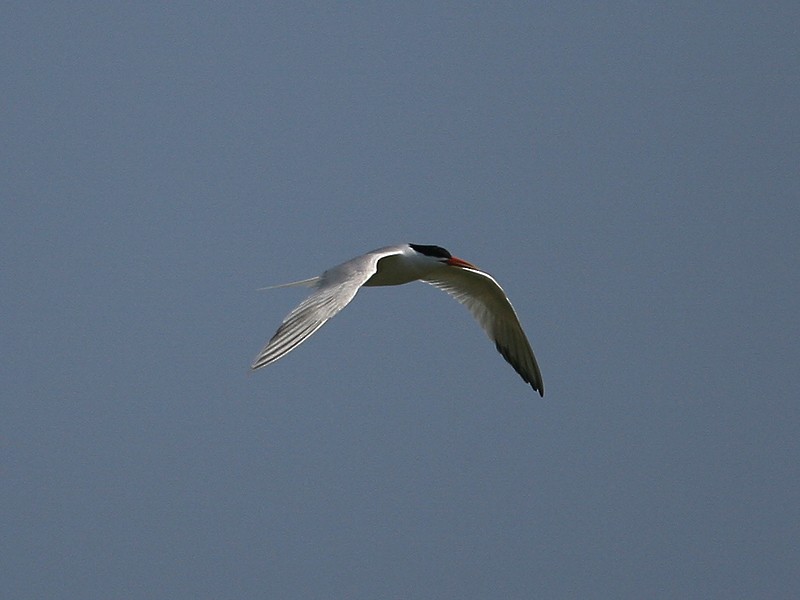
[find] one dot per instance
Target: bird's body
(396, 265)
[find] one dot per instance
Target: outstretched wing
(335, 288)
(490, 306)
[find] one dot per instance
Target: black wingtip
(538, 386)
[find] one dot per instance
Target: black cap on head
(432, 251)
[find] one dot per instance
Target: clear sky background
(629, 172)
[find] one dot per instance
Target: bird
(396, 265)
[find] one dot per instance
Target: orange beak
(457, 262)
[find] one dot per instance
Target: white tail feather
(304, 283)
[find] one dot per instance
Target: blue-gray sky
(629, 173)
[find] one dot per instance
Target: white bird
(395, 265)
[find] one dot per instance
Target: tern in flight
(395, 265)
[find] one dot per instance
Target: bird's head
(441, 255)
